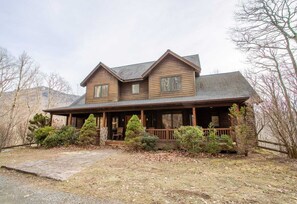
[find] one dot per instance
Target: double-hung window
(135, 88)
(169, 84)
(101, 91)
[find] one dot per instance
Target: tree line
(267, 31)
(20, 94)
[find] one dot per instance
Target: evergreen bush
(39, 120)
(212, 144)
(190, 138)
(67, 135)
(134, 128)
(41, 133)
(88, 131)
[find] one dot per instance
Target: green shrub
(227, 140)
(41, 133)
(212, 144)
(134, 128)
(145, 142)
(52, 140)
(149, 142)
(190, 138)
(39, 120)
(67, 135)
(88, 131)
(134, 143)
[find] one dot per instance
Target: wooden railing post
(167, 134)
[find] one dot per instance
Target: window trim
(171, 116)
(171, 76)
(97, 85)
(138, 88)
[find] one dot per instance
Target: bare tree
(56, 86)
(24, 73)
(267, 31)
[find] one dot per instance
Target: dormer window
(170, 84)
(135, 88)
(101, 91)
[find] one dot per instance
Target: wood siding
(102, 77)
(126, 90)
(170, 66)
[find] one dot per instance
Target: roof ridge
(220, 73)
(147, 62)
(131, 64)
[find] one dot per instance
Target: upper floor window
(170, 83)
(135, 88)
(101, 91)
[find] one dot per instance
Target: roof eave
(149, 104)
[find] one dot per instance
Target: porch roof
(217, 88)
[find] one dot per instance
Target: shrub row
(191, 139)
(50, 137)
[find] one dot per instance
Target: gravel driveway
(13, 191)
(64, 165)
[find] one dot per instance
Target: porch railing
(220, 131)
(163, 134)
(167, 134)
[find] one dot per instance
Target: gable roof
(230, 86)
(135, 72)
(84, 82)
(169, 52)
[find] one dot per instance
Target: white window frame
(135, 88)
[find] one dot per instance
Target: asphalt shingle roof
(135, 71)
(210, 88)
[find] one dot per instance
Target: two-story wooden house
(165, 94)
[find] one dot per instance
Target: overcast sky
(71, 37)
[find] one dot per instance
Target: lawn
(165, 177)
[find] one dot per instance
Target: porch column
(51, 119)
(104, 119)
(142, 117)
(69, 122)
(194, 116)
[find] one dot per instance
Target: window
(170, 84)
(101, 91)
(170, 121)
(115, 122)
(135, 89)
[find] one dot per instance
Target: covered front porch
(159, 121)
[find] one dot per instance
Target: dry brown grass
(173, 178)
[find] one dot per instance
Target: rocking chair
(119, 134)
